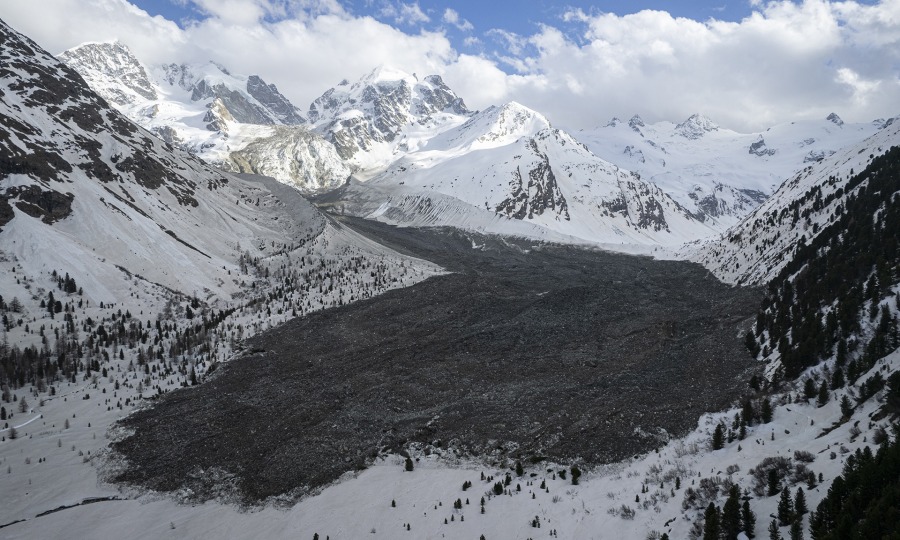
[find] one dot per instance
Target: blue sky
(487, 16)
(746, 64)
(513, 15)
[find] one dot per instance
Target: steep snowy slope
(386, 113)
(85, 191)
(238, 123)
(755, 250)
(716, 172)
(509, 161)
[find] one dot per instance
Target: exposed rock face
(539, 195)
(296, 153)
(759, 148)
(696, 126)
(46, 204)
(834, 118)
(375, 109)
(271, 98)
(636, 123)
(100, 62)
(243, 116)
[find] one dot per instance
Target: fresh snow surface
(384, 115)
(757, 248)
(509, 162)
(716, 171)
(183, 105)
(51, 466)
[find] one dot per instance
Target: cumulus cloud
(788, 60)
(404, 14)
(451, 16)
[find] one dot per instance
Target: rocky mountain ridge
(217, 115)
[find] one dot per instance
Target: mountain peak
(696, 126)
(111, 60)
(375, 110)
(387, 74)
(636, 123)
(834, 118)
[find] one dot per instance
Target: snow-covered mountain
(385, 114)
(510, 162)
(716, 173)
(235, 122)
(757, 248)
(86, 192)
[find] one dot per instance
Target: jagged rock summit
(383, 113)
(239, 123)
(696, 126)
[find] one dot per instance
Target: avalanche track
(523, 351)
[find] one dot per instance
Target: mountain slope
(755, 250)
(86, 192)
(385, 114)
(717, 173)
(238, 123)
(508, 161)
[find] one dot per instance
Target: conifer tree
(785, 508)
(809, 389)
(773, 482)
(711, 529)
(731, 515)
(824, 395)
(748, 520)
(718, 438)
(765, 412)
(799, 503)
(774, 532)
(846, 406)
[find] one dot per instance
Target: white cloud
(452, 17)
(787, 61)
(405, 14)
(784, 62)
(861, 88)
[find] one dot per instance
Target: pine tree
(837, 380)
(731, 515)
(765, 412)
(409, 464)
(846, 406)
(748, 520)
(748, 412)
(718, 438)
(824, 395)
(773, 482)
(519, 470)
(785, 508)
(809, 389)
(774, 532)
(800, 503)
(711, 529)
(797, 530)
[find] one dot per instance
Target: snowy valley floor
(601, 395)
